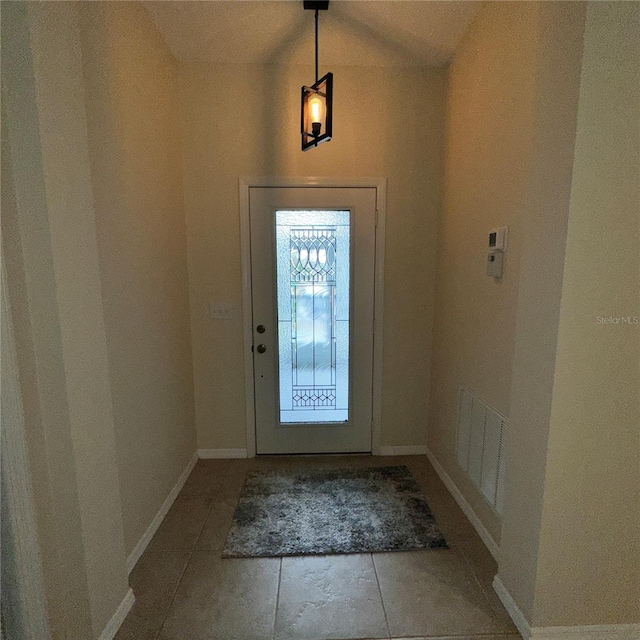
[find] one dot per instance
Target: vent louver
(481, 447)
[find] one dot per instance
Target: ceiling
(352, 32)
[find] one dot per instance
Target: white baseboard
(138, 550)
(487, 538)
(587, 632)
(512, 608)
(206, 454)
(402, 451)
(111, 628)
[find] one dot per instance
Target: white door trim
(380, 184)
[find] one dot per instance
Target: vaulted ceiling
(362, 32)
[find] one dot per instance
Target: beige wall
(589, 557)
(531, 345)
(136, 165)
(54, 289)
(26, 256)
(544, 214)
(488, 141)
(95, 247)
(240, 121)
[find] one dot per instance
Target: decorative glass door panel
(313, 278)
(312, 297)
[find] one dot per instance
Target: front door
(312, 281)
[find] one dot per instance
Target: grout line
(275, 615)
(173, 596)
(225, 475)
(179, 582)
(384, 609)
(479, 583)
(213, 500)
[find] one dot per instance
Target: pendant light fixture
(317, 100)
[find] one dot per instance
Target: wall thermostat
(498, 239)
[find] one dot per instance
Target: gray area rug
(284, 513)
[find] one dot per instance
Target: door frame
(245, 184)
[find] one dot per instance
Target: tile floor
(185, 591)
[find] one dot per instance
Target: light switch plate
(220, 310)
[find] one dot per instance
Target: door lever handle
(261, 348)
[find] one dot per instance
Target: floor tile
(206, 478)
(216, 527)
(181, 527)
(332, 462)
(333, 596)
(479, 559)
(154, 581)
(432, 593)
(461, 536)
(261, 463)
(501, 636)
(485, 568)
(502, 617)
(454, 524)
(424, 471)
(224, 599)
(231, 487)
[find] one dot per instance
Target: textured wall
(54, 286)
(488, 141)
(136, 164)
(589, 567)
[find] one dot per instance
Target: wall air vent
(480, 448)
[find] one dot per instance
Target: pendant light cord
(316, 45)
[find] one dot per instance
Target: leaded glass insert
(313, 315)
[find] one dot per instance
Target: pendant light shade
(316, 120)
(316, 113)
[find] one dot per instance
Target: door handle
(260, 328)
(261, 348)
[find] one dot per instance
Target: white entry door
(312, 282)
